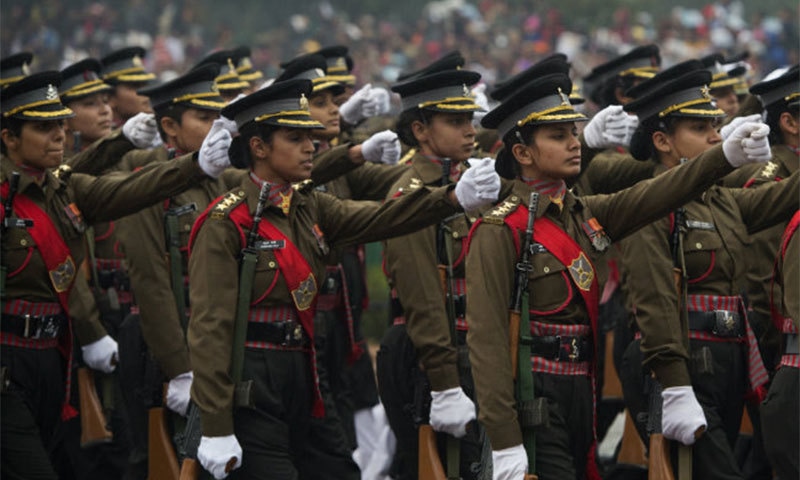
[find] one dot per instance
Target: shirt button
(698, 245)
(23, 242)
(455, 234)
(271, 264)
(187, 227)
(546, 269)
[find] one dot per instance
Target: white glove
(479, 93)
(352, 110)
(610, 127)
(451, 411)
(748, 143)
(509, 463)
(213, 155)
(214, 454)
(681, 414)
(726, 130)
(142, 130)
(178, 392)
(376, 103)
(382, 147)
(229, 124)
(101, 354)
(479, 185)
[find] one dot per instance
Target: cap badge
(231, 68)
(319, 72)
(137, 61)
(52, 93)
(245, 63)
(466, 91)
(303, 102)
(706, 92)
(340, 62)
(26, 69)
(564, 98)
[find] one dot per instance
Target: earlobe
(523, 154)
(789, 123)
(9, 139)
(419, 130)
(170, 126)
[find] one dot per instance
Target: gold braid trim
(192, 96)
(440, 103)
(303, 123)
(124, 71)
(695, 111)
(208, 103)
(547, 113)
(86, 89)
(57, 113)
(683, 105)
(31, 105)
(284, 113)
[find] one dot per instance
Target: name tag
(698, 225)
(270, 245)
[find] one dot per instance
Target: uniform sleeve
(412, 265)
(83, 311)
(348, 222)
(611, 172)
(118, 194)
(142, 235)
(490, 280)
(101, 155)
(768, 205)
(332, 163)
(214, 289)
(648, 263)
(624, 212)
(372, 182)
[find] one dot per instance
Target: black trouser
(278, 437)
(719, 388)
(563, 444)
(398, 383)
(31, 412)
(780, 423)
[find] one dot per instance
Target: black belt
(722, 323)
(791, 346)
(34, 327)
(287, 333)
(562, 348)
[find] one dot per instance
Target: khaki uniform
(562, 447)
(717, 238)
(282, 397)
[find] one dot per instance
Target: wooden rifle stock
(93, 422)
(659, 466)
(190, 469)
(513, 339)
(162, 462)
(430, 465)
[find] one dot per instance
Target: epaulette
(497, 215)
(769, 170)
(63, 172)
(413, 184)
(408, 156)
(303, 187)
(227, 204)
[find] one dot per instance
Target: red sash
(296, 272)
(60, 266)
(568, 252)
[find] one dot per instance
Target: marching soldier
(723, 83)
(228, 82)
(553, 435)
(45, 298)
(244, 68)
(124, 70)
(696, 338)
(291, 234)
(422, 362)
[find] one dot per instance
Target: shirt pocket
(549, 285)
(19, 248)
(700, 251)
(265, 278)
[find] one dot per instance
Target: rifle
(10, 222)
(190, 440)
(162, 463)
(94, 426)
(519, 332)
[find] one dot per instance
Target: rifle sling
(176, 266)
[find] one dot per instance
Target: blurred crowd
(498, 37)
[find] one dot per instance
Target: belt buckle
(574, 351)
(724, 323)
(294, 333)
(26, 332)
(48, 327)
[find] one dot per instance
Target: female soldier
(437, 121)
(296, 231)
(42, 246)
(537, 125)
(712, 361)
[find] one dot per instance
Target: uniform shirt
(412, 265)
(97, 198)
(789, 266)
(214, 272)
(490, 274)
(715, 246)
